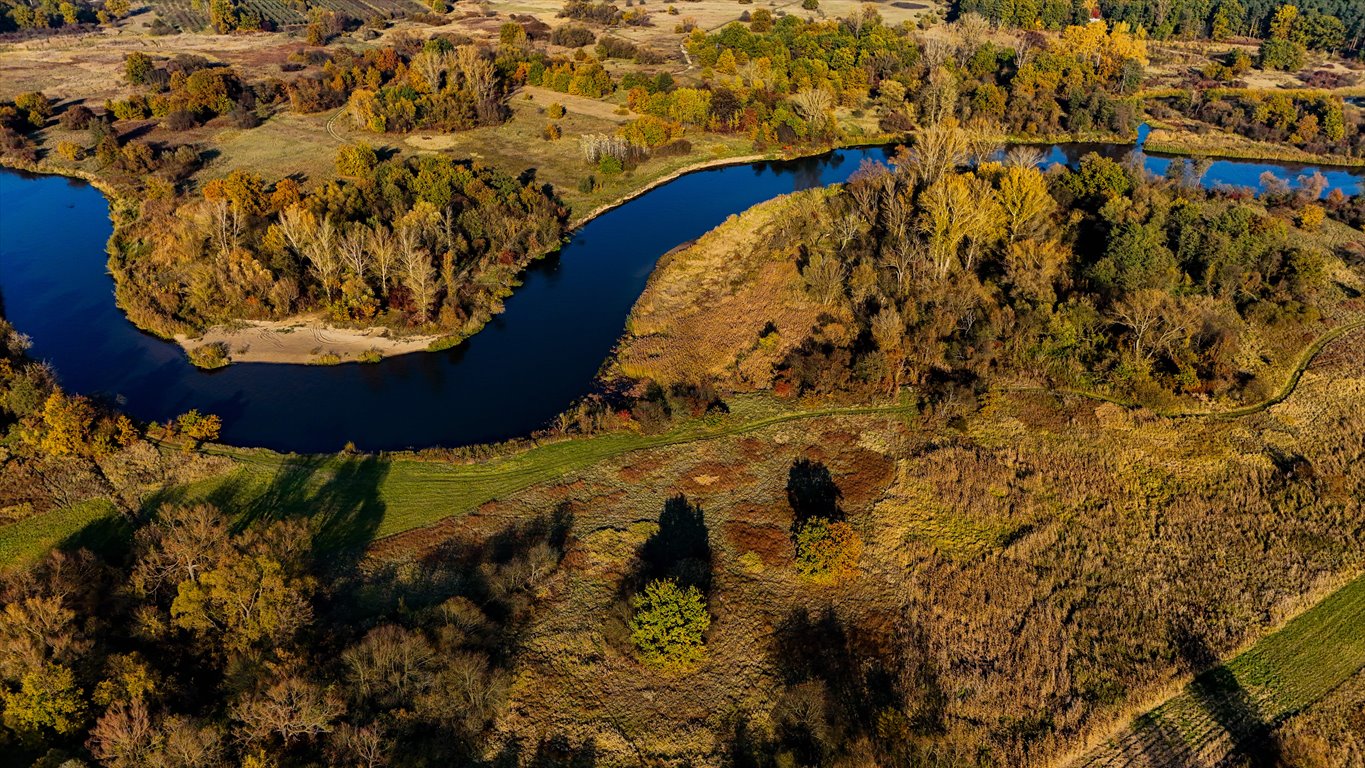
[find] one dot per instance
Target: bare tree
(1023, 156)
(1153, 319)
(354, 247)
(384, 253)
(418, 273)
(814, 105)
(292, 708)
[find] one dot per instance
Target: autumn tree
(668, 624)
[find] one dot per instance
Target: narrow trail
(331, 125)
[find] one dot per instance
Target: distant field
(191, 15)
(1229, 709)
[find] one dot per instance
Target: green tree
(669, 623)
(47, 698)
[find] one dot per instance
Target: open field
(1230, 709)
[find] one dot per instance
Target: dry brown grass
(710, 309)
(1052, 555)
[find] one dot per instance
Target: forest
(410, 244)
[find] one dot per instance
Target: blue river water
(529, 364)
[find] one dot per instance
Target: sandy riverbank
(308, 339)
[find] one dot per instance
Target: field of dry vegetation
(1032, 576)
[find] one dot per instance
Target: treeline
(24, 16)
(1327, 25)
(783, 85)
(423, 243)
(1093, 278)
(1315, 121)
(59, 449)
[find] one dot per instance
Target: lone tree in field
(669, 622)
(827, 551)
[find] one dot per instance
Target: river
(525, 367)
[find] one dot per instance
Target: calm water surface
(526, 366)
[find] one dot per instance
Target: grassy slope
(1229, 708)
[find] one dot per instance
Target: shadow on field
(339, 496)
(870, 679)
(679, 550)
(494, 572)
(109, 537)
(1218, 692)
(812, 492)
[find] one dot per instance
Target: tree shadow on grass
(871, 680)
(1218, 692)
(110, 537)
(679, 550)
(812, 492)
(339, 496)
(492, 571)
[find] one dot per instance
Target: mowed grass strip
(27, 539)
(1232, 707)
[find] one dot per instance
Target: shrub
(609, 166)
(826, 550)
(550, 132)
(356, 160)
(669, 623)
(77, 118)
(810, 5)
(210, 356)
(1311, 216)
(556, 111)
(198, 426)
(1282, 54)
(572, 36)
(178, 120)
(70, 151)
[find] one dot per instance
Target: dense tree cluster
(427, 242)
(1317, 24)
(443, 87)
(1094, 277)
(212, 642)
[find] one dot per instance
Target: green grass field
(1230, 708)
